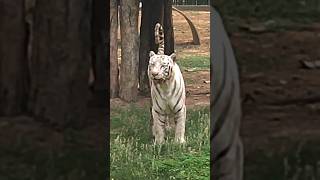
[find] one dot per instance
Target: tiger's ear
(173, 57)
(151, 54)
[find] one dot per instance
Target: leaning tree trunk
(152, 13)
(13, 61)
(129, 10)
(60, 61)
(114, 68)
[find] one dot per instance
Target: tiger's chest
(163, 98)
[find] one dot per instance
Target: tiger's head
(160, 66)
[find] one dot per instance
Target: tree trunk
(168, 28)
(157, 17)
(13, 63)
(61, 61)
(99, 50)
(114, 67)
(145, 43)
(129, 10)
(152, 12)
(100, 53)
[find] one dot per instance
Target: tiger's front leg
(180, 121)
(158, 126)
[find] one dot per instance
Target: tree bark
(114, 66)
(61, 61)
(157, 17)
(13, 63)
(129, 10)
(152, 13)
(100, 53)
(99, 50)
(145, 44)
(168, 28)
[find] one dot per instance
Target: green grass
(195, 63)
(133, 155)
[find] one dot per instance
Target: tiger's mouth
(159, 79)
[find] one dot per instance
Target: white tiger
(167, 92)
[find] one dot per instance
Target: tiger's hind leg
(180, 121)
(158, 127)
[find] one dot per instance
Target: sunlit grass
(134, 156)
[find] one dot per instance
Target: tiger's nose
(154, 73)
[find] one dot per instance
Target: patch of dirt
(279, 95)
(198, 92)
(183, 35)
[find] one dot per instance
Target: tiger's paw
(180, 140)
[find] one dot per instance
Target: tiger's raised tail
(159, 38)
